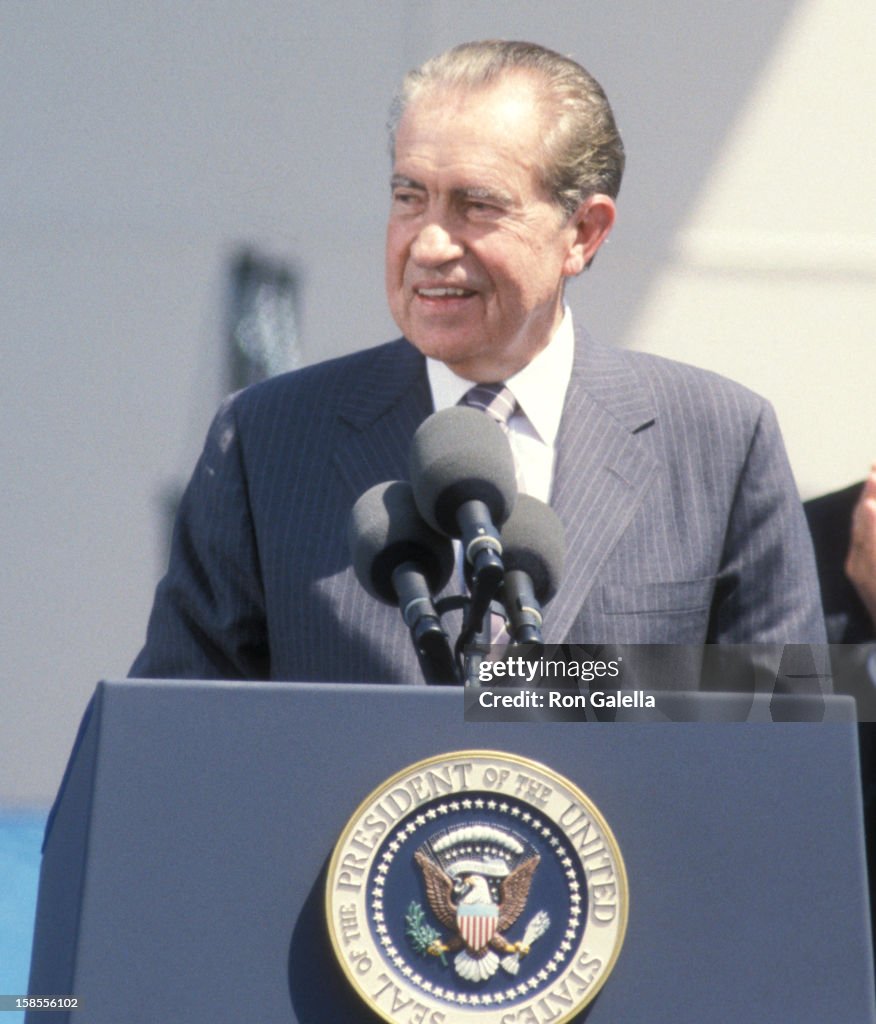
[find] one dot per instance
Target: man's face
(476, 252)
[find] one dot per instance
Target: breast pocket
(665, 612)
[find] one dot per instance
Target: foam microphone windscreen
(533, 540)
(459, 455)
(385, 530)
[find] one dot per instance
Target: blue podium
(185, 859)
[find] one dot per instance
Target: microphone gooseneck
(534, 545)
(400, 560)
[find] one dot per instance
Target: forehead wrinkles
(525, 94)
(435, 132)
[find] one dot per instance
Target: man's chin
(447, 347)
(476, 361)
(464, 360)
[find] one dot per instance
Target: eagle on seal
(466, 905)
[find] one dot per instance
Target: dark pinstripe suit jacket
(681, 515)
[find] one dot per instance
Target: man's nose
(435, 245)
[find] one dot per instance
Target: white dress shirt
(540, 390)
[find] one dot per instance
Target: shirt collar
(540, 387)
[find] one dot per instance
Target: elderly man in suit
(681, 515)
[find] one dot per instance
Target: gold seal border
(518, 759)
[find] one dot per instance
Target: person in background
(843, 526)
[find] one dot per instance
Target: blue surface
(208, 810)
(21, 836)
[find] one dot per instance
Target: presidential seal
(477, 886)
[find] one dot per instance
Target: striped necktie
(495, 400)
(498, 402)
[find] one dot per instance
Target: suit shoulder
(331, 377)
(679, 388)
(357, 387)
(672, 376)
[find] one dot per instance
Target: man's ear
(592, 221)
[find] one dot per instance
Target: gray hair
(583, 151)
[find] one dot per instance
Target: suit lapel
(603, 471)
(378, 417)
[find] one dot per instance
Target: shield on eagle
(477, 924)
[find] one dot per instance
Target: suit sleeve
(768, 590)
(208, 618)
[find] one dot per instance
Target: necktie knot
(495, 400)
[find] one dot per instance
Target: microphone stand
(472, 645)
(475, 651)
(422, 618)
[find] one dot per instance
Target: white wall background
(142, 144)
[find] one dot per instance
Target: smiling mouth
(444, 293)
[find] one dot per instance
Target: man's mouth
(443, 293)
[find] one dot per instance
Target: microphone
(399, 560)
(534, 546)
(462, 473)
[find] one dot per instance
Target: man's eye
(483, 207)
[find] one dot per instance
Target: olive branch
(419, 932)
